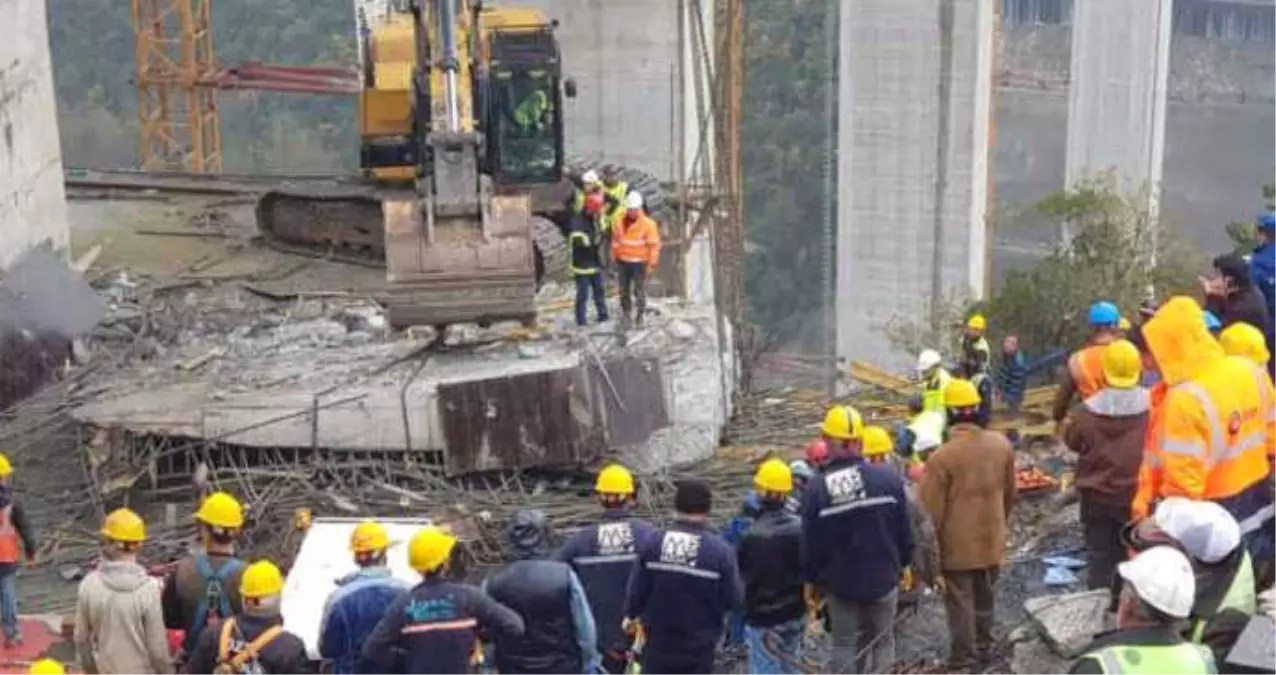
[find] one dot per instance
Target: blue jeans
(587, 284)
(789, 635)
(9, 603)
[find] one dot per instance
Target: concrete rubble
(1069, 622)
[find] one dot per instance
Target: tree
(1243, 234)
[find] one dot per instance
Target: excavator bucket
(444, 269)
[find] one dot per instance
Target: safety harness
(214, 598)
(233, 656)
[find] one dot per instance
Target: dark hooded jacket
(602, 555)
(560, 635)
(285, 654)
(1107, 432)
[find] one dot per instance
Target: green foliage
(93, 63)
(784, 143)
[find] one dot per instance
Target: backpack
(214, 604)
(235, 657)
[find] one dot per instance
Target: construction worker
(254, 639)
(684, 582)
(635, 246)
(1158, 592)
(204, 586)
(770, 557)
(1106, 431)
(858, 543)
(976, 355)
(586, 268)
(1012, 375)
(559, 634)
(817, 454)
(119, 624)
(923, 433)
(531, 113)
(934, 380)
(969, 490)
(1244, 340)
(1084, 374)
(435, 627)
(590, 183)
(17, 540)
(879, 449)
(602, 556)
(802, 474)
(46, 667)
(616, 191)
(1210, 437)
(1231, 295)
(359, 602)
(1225, 599)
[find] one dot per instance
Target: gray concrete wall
(32, 200)
(912, 165)
(624, 56)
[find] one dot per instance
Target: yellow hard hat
(124, 525)
(1121, 364)
(614, 480)
(261, 579)
(1243, 339)
(47, 667)
(961, 394)
(977, 322)
(1124, 324)
(369, 536)
(5, 467)
(842, 422)
(774, 475)
(221, 510)
(877, 441)
(430, 548)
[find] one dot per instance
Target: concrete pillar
(914, 102)
(1116, 98)
(32, 197)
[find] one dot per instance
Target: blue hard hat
(1104, 313)
(1266, 221)
(1211, 321)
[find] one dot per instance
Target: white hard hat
(1162, 577)
(590, 178)
(1207, 531)
(633, 200)
(928, 359)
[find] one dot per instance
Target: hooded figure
(560, 635)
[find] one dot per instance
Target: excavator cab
(523, 120)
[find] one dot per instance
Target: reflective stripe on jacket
(1240, 597)
(1184, 659)
(615, 209)
(933, 391)
(637, 241)
(1209, 436)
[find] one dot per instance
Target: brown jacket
(1106, 431)
(969, 489)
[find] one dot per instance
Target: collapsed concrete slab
(1069, 622)
(486, 399)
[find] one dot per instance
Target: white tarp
(324, 558)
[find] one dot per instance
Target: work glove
(477, 657)
(906, 580)
(632, 628)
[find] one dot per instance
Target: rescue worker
(17, 541)
(878, 449)
(602, 556)
(586, 268)
(683, 584)
(969, 490)
(616, 191)
(1224, 599)
(559, 634)
(1246, 341)
(1106, 431)
(770, 556)
(1210, 437)
(934, 380)
(435, 627)
(976, 355)
(858, 542)
(359, 602)
(1084, 375)
(635, 246)
(1231, 295)
(46, 667)
(119, 624)
(923, 433)
(204, 586)
(254, 639)
(590, 184)
(1158, 593)
(1262, 261)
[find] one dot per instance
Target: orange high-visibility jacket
(636, 241)
(1085, 366)
(1210, 436)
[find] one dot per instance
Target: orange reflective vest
(1210, 436)
(9, 546)
(636, 241)
(1086, 369)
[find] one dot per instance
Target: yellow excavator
(462, 142)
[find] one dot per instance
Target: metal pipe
(447, 40)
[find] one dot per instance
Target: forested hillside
(266, 132)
